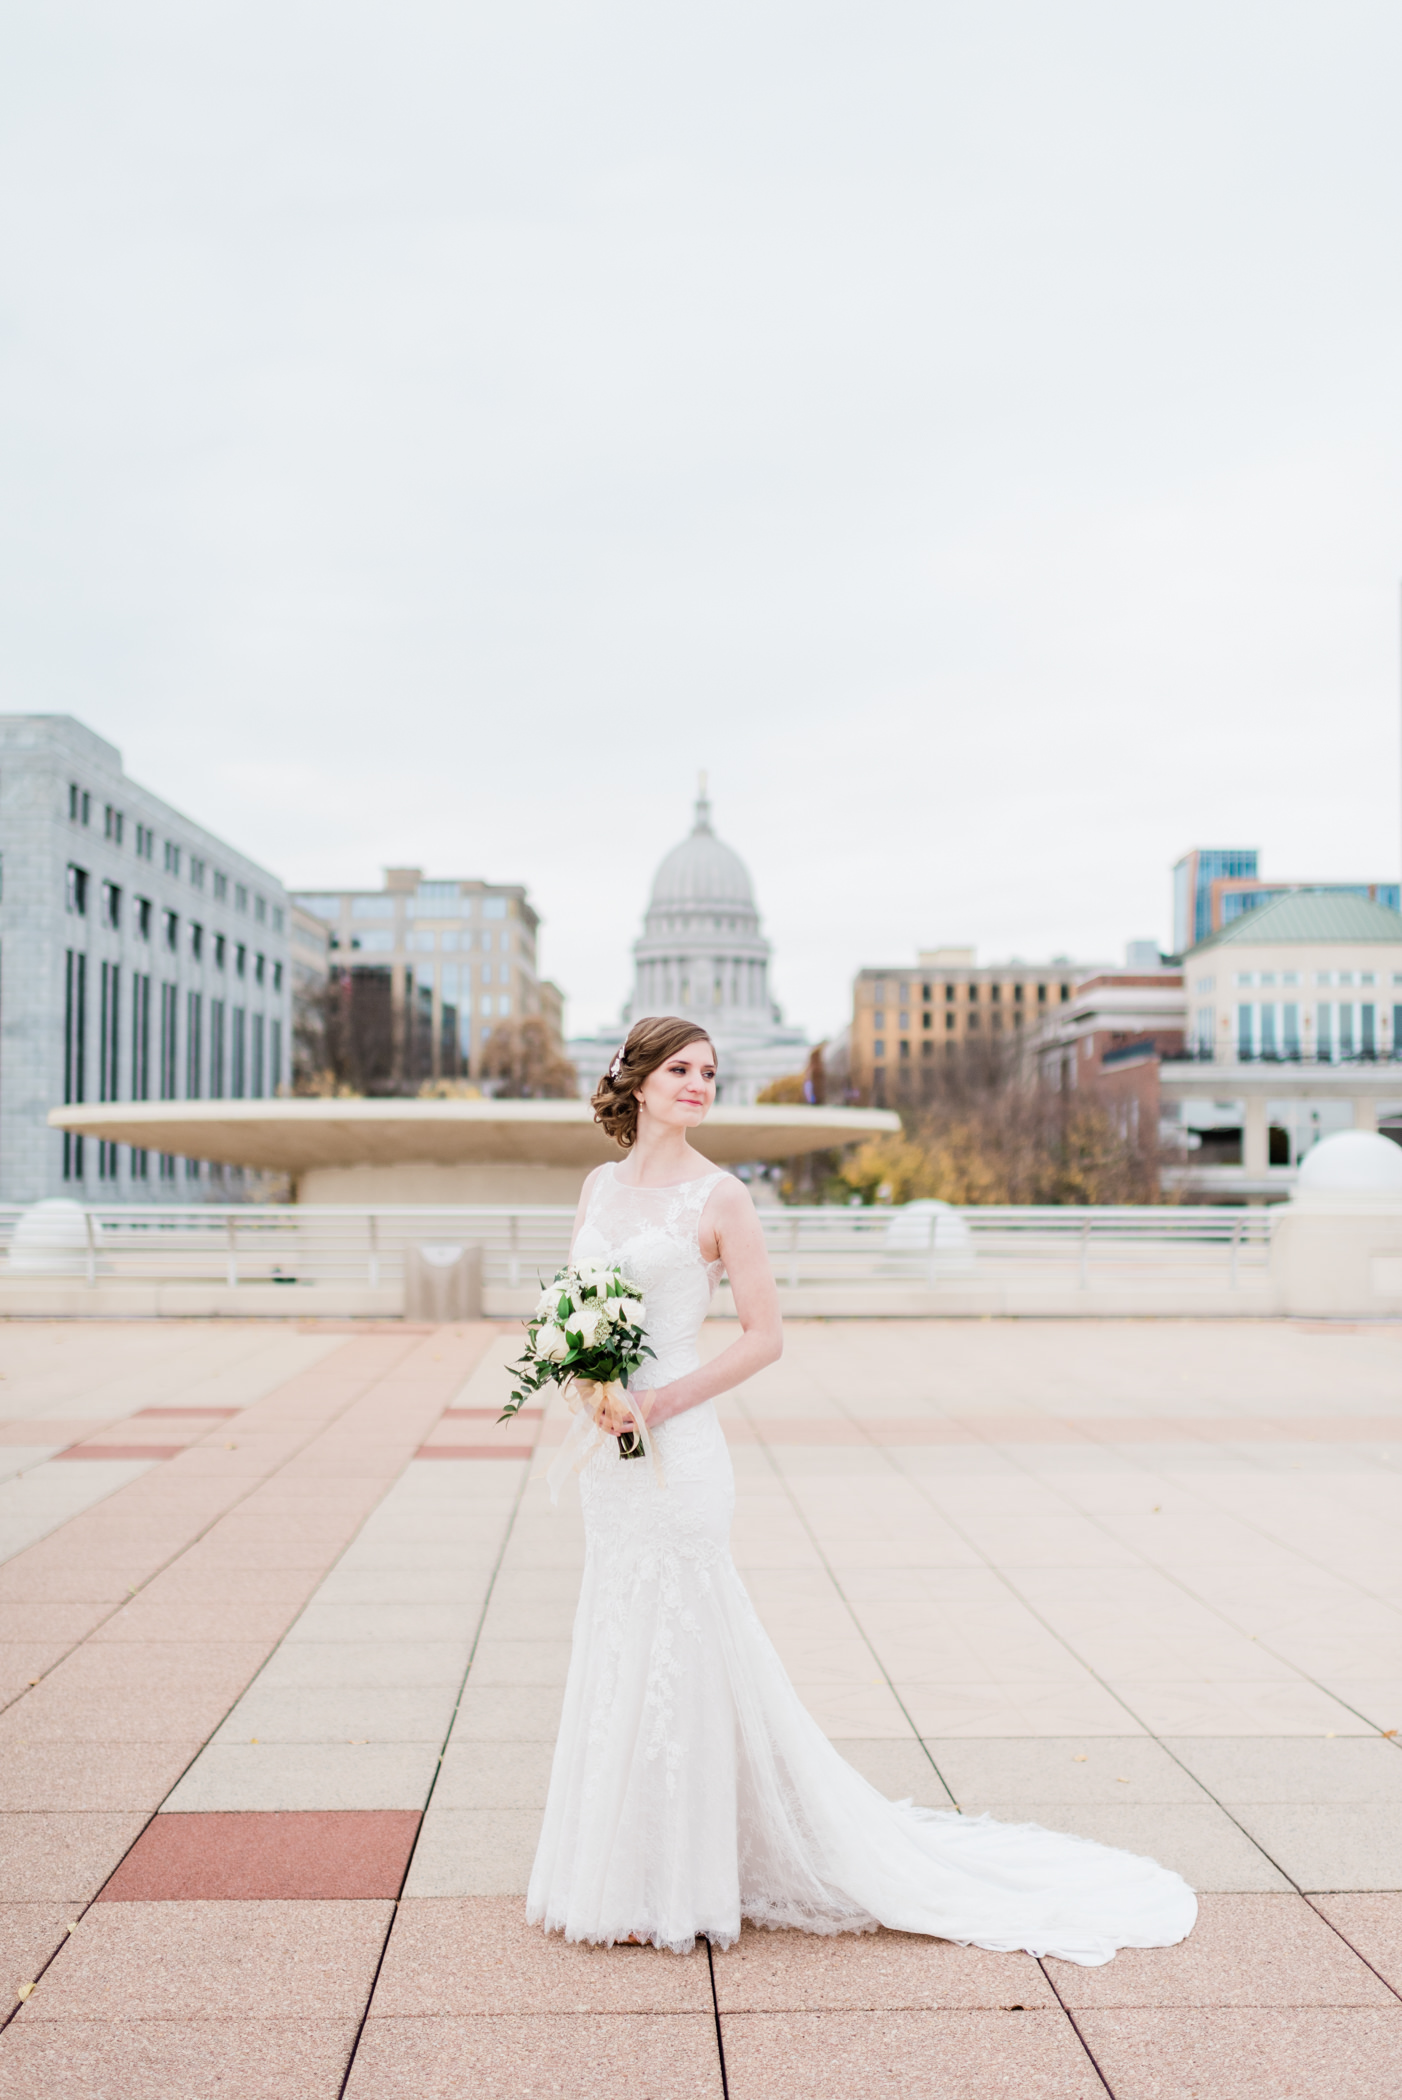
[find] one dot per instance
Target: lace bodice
(654, 1236)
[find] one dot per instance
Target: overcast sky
(973, 433)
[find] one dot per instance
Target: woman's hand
(621, 1414)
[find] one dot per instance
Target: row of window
(973, 993)
(175, 857)
(927, 1020)
(142, 917)
(425, 943)
(1245, 979)
(216, 1050)
(433, 900)
(1337, 1028)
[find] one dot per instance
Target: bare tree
(522, 1061)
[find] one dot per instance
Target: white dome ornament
(1336, 1247)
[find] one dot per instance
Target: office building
(428, 969)
(143, 959)
(1213, 885)
(906, 1019)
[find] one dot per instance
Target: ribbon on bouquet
(584, 1397)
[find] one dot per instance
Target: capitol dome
(701, 870)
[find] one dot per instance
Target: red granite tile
(1373, 1925)
(294, 1855)
(1246, 1950)
(876, 1971)
(181, 1414)
(215, 1961)
(637, 2056)
(1245, 2053)
(477, 1954)
(248, 2059)
(886, 2055)
(29, 1933)
(62, 1858)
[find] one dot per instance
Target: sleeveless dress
(690, 1786)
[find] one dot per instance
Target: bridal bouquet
(587, 1335)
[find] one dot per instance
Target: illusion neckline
(658, 1188)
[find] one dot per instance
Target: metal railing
(312, 1244)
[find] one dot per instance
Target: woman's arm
(739, 1241)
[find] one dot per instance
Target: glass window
(1041, 995)
(438, 899)
(1368, 1028)
(241, 960)
(1324, 1031)
(277, 976)
(1268, 1043)
(375, 943)
(1365, 977)
(925, 991)
(143, 924)
(878, 1020)
(949, 991)
(1205, 1029)
(259, 966)
(221, 886)
(504, 1006)
(1245, 1031)
(372, 907)
(973, 992)
(319, 907)
(260, 910)
(494, 907)
(1206, 984)
(879, 1048)
(905, 995)
(949, 1020)
(878, 993)
(75, 891)
(905, 1020)
(450, 939)
(218, 951)
(1290, 1028)
(196, 873)
(1017, 996)
(111, 905)
(172, 857)
(424, 942)
(171, 923)
(995, 993)
(196, 940)
(1346, 1042)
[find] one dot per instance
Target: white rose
(607, 1310)
(586, 1325)
(630, 1310)
(548, 1299)
(551, 1344)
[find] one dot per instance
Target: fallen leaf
(231, 1447)
(1389, 1733)
(1157, 1508)
(24, 1990)
(33, 1680)
(1119, 1781)
(1329, 1734)
(1079, 1758)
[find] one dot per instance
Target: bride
(690, 1787)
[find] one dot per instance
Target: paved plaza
(286, 1618)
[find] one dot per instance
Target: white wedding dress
(690, 1786)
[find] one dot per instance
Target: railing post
(1236, 1242)
(92, 1249)
(514, 1265)
(793, 1252)
(373, 1266)
(1084, 1283)
(231, 1229)
(934, 1234)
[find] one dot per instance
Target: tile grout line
(84, 1907)
(194, 1540)
(1075, 2026)
(828, 1570)
(437, 1770)
(715, 2008)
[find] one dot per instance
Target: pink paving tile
(248, 2059)
(44, 1432)
(1372, 1924)
(24, 1664)
(1245, 2054)
(889, 2055)
(33, 1621)
(876, 1971)
(163, 1619)
(477, 1954)
(29, 1933)
(122, 1451)
(637, 2056)
(85, 1776)
(312, 1855)
(1245, 1950)
(475, 1451)
(61, 1858)
(184, 1414)
(489, 1414)
(215, 1961)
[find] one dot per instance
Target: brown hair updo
(650, 1043)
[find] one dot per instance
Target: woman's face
(680, 1092)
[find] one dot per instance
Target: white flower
(607, 1310)
(630, 1311)
(586, 1324)
(548, 1300)
(592, 1271)
(551, 1344)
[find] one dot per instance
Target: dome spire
(703, 807)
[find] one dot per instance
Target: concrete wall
(425, 1182)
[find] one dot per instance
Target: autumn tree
(522, 1061)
